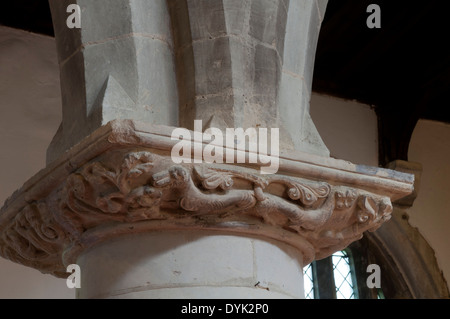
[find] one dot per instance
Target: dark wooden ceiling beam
(388, 45)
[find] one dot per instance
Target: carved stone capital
(122, 180)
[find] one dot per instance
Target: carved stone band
(121, 180)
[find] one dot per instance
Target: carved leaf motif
(47, 229)
(78, 195)
(212, 179)
(138, 163)
(345, 200)
(111, 203)
(367, 209)
(96, 173)
(134, 166)
(33, 237)
(384, 214)
(144, 196)
(97, 189)
(76, 185)
(306, 194)
(48, 232)
(175, 176)
(386, 209)
(22, 245)
(136, 188)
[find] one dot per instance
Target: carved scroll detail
(33, 238)
(140, 186)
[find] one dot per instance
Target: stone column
(118, 65)
(113, 200)
(229, 63)
(189, 264)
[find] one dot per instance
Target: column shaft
(191, 264)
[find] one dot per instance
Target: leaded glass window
(308, 280)
(344, 276)
(335, 277)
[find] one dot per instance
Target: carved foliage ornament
(148, 187)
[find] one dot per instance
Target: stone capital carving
(121, 180)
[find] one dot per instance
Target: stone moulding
(121, 180)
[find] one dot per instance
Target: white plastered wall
(348, 128)
(430, 146)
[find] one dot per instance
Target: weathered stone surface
(409, 168)
(121, 180)
(261, 53)
(249, 63)
(128, 40)
(409, 258)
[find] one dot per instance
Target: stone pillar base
(191, 264)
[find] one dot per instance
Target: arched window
(402, 255)
(339, 276)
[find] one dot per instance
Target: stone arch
(408, 264)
